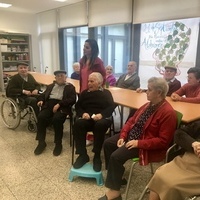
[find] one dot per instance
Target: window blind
(161, 10)
(106, 12)
(73, 15)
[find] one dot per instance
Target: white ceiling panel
(35, 6)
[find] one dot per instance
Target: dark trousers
(115, 157)
(31, 101)
(80, 129)
(47, 117)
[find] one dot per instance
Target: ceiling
(35, 6)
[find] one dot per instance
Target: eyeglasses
(170, 71)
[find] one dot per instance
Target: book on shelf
(18, 40)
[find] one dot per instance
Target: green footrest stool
(86, 171)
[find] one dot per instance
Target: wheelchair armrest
(14, 95)
(193, 198)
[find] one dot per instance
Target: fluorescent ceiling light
(5, 5)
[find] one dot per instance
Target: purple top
(111, 80)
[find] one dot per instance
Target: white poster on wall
(172, 43)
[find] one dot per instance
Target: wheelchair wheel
(32, 122)
(10, 113)
(32, 126)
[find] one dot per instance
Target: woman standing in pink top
(90, 62)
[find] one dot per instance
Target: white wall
(27, 23)
(22, 23)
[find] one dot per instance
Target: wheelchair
(12, 112)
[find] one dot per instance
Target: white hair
(98, 76)
(159, 83)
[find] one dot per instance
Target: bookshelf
(14, 48)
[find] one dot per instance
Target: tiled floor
(24, 176)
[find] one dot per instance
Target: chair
(87, 170)
(193, 198)
(12, 113)
(72, 119)
(136, 160)
(71, 122)
(13, 110)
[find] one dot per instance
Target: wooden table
(46, 79)
(190, 111)
(128, 98)
(132, 99)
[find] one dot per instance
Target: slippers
(103, 198)
(106, 198)
(123, 181)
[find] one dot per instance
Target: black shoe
(123, 181)
(97, 164)
(106, 198)
(80, 161)
(40, 148)
(103, 198)
(57, 150)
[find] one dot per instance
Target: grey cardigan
(131, 83)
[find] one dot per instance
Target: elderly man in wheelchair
(21, 93)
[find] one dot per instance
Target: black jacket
(69, 97)
(186, 135)
(100, 101)
(17, 84)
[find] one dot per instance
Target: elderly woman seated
(190, 92)
(110, 78)
(184, 177)
(146, 135)
(94, 109)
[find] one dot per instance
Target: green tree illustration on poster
(175, 48)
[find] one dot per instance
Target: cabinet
(14, 48)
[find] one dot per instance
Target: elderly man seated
(24, 86)
(56, 103)
(94, 108)
(129, 80)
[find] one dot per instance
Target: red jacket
(157, 135)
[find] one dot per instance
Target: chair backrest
(7, 88)
(179, 116)
(174, 150)
(8, 94)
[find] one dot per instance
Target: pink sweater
(191, 92)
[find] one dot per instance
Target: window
(114, 46)
(73, 41)
(48, 43)
(113, 41)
